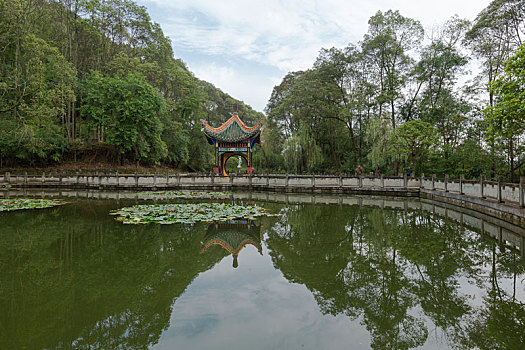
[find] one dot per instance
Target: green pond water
(332, 272)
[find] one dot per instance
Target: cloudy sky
(245, 47)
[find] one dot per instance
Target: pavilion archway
(233, 138)
(227, 155)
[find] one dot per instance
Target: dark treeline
(96, 80)
(394, 100)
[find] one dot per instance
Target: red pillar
(217, 168)
(250, 169)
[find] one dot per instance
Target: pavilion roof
(233, 237)
(233, 130)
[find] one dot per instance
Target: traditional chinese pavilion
(233, 138)
(233, 236)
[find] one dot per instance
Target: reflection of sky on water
(254, 307)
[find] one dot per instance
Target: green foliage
(129, 110)
(412, 141)
(36, 92)
(379, 134)
(507, 117)
(183, 194)
(353, 100)
(301, 153)
(144, 103)
(84, 75)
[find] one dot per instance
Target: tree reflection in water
(390, 268)
(72, 277)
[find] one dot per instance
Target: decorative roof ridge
(233, 118)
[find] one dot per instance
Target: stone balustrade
(498, 195)
(496, 190)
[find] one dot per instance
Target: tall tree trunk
(349, 124)
(394, 129)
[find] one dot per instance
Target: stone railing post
(313, 181)
(25, 178)
(267, 180)
(155, 180)
(405, 181)
(286, 181)
(521, 187)
(360, 181)
(421, 181)
(433, 182)
(250, 180)
(461, 178)
(500, 184)
(382, 181)
(482, 186)
(43, 177)
(117, 178)
(7, 177)
(446, 183)
(136, 180)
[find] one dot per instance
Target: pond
(331, 272)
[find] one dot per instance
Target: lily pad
(184, 194)
(187, 213)
(22, 203)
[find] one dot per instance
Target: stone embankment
(496, 198)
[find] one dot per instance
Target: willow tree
(301, 152)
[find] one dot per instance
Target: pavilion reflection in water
(233, 236)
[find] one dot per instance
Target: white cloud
(235, 83)
(286, 35)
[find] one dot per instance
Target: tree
(301, 153)
(379, 134)
(412, 141)
(389, 39)
(129, 110)
(507, 117)
(37, 86)
(48, 51)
